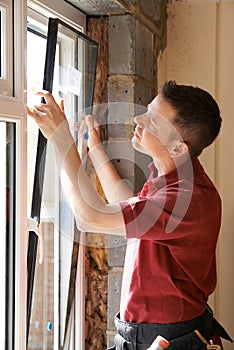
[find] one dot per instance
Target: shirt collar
(186, 171)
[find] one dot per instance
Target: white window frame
(12, 109)
(58, 9)
(6, 80)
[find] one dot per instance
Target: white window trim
(20, 219)
(6, 81)
(21, 235)
(58, 9)
(12, 109)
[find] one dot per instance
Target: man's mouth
(136, 132)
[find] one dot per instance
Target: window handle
(34, 226)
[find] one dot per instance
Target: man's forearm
(114, 187)
(91, 213)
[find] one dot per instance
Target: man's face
(154, 132)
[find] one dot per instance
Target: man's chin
(138, 147)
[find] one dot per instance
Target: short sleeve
(167, 215)
(143, 215)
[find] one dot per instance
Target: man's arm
(91, 213)
(114, 187)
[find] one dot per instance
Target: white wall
(200, 51)
(225, 162)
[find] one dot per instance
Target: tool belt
(189, 335)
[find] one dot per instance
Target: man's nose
(142, 119)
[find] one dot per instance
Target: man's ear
(179, 149)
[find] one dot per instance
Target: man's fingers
(81, 127)
(61, 105)
(49, 98)
(90, 121)
(32, 113)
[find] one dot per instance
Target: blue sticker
(49, 326)
(86, 135)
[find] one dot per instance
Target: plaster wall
(200, 52)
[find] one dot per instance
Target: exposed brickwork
(122, 33)
(96, 253)
(96, 299)
(114, 290)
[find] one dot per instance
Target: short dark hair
(197, 117)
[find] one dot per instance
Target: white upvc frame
(15, 115)
(57, 9)
(12, 109)
(6, 80)
(20, 26)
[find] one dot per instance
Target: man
(172, 225)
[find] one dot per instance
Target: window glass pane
(54, 282)
(3, 226)
(35, 72)
(7, 237)
(42, 313)
(75, 83)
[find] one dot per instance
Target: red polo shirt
(172, 228)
